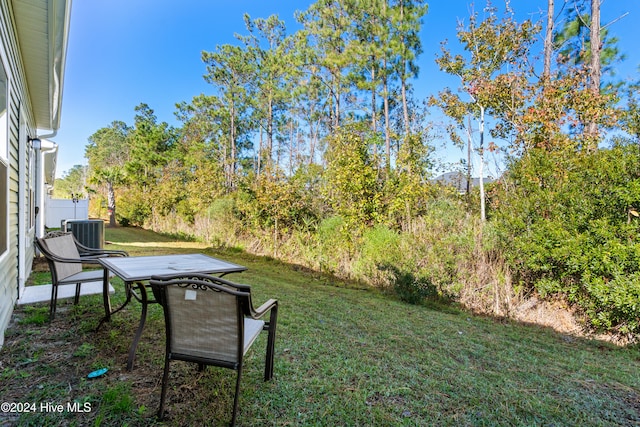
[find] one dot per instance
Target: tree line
(313, 147)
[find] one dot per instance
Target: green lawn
(344, 356)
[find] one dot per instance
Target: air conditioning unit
(89, 232)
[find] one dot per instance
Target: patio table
(136, 271)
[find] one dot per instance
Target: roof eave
(43, 30)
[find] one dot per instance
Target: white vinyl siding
(17, 123)
(8, 257)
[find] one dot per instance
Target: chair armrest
(264, 308)
(87, 251)
(238, 286)
(94, 259)
(109, 253)
(81, 260)
(98, 253)
(57, 258)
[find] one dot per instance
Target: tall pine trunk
(483, 215)
(232, 146)
(594, 69)
(548, 42)
(387, 130)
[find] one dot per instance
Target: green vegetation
(576, 232)
(312, 148)
(345, 355)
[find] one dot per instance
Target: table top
(140, 268)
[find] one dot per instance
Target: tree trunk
(260, 153)
(232, 142)
(374, 115)
(312, 139)
(336, 89)
(111, 204)
(596, 47)
(483, 215)
(292, 147)
(387, 131)
(469, 144)
(548, 41)
(405, 107)
(594, 69)
(403, 80)
(269, 158)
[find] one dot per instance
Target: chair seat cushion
(252, 329)
(85, 276)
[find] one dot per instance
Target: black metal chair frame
(86, 256)
(244, 308)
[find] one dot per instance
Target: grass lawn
(344, 356)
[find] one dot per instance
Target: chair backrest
(63, 246)
(203, 320)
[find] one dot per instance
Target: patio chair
(66, 256)
(211, 321)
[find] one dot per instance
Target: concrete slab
(42, 293)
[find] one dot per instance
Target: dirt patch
(553, 314)
(40, 264)
(562, 318)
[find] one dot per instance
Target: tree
(584, 43)
(491, 74)
(229, 71)
(631, 115)
(201, 149)
(371, 53)
(567, 229)
(352, 186)
(151, 147)
(326, 29)
(581, 36)
(110, 177)
(107, 153)
(308, 101)
(273, 67)
(73, 182)
(596, 49)
(149, 143)
(406, 24)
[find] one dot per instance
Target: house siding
(17, 104)
(27, 204)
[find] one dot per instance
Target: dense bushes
(565, 223)
(569, 227)
(438, 259)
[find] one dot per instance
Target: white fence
(57, 210)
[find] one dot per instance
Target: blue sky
(125, 52)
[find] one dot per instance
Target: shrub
(380, 246)
(332, 245)
(444, 244)
(567, 228)
(221, 221)
(133, 209)
(407, 286)
(352, 185)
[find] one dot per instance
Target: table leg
(105, 296)
(107, 299)
(143, 317)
